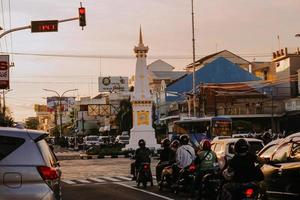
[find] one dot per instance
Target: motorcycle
(187, 180)
(144, 175)
(166, 178)
(211, 185)
(249, 191)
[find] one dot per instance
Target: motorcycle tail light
(249, 192)
(192, 168)
(146, 167)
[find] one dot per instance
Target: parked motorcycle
(144, 175)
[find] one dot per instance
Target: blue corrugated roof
(220, 70)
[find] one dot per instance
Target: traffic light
(82, 21)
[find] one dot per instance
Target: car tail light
(192, 168)
(249, 192)
(48, 173)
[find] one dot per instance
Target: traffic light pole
(29, 27)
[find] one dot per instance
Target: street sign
(113, 84)
(44, 26)
(4, 71)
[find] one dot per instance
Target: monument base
(147, 135)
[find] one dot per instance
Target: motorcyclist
(241, 169)
(185, 155)
(206, 160)
(142, 155)
(165, 158)
(174, 146)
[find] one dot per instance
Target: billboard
(66, 103)
(4, 71)
(113, 84)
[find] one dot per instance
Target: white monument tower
(141, 101)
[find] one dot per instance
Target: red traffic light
(82, 21)
(81, 11)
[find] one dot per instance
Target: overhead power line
(94, 56)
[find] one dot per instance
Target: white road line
(110, 179)
(82, 181)
(124, 178)
(68, 182)
(145, 191)
(97, 180)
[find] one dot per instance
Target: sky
(247, 28)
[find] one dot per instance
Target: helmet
(142, 143)
(184, 139)
(165, 142)
(175, 144)
(241, 146)
(205, 145)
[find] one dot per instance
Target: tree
(32, 123)
(124, 116)
(7, 120)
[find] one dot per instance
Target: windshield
(255, 147)
(269, 151)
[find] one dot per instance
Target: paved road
(112, 191)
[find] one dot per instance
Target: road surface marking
(68, 182)
(110, 179)
(124, 178)
(145, 191)
(97, 180)
(82, 181)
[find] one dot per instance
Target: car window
(295, 153)
(255, 147)
(47, 153)
(281, 155)
(231, 148)
(8, 145)
(269, 151)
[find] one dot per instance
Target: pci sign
(44, 26)
(4, 71)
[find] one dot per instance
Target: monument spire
(141, 37)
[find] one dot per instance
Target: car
(122, 139)
(29, 169)
(224, 148)
(91, 140)
(282, 177)
(269, 148)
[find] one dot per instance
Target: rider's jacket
(243, 167)
(206, 160)
(142, 155)
(185, 155)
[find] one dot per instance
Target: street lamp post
(59, 103)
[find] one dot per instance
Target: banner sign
(66, 103)
(143, 118)
(4, 71)
(113, 84)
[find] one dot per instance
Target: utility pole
(272, 109)
(194, 60)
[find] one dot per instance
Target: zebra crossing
(103, 179)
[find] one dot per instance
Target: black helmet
(241, 146)
(165, 143)
(142, 143)
(175, 144)
(184, 139)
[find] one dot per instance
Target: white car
(91, 140)
(122, 139)
(224, 148)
